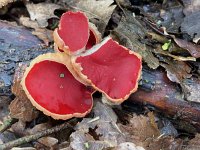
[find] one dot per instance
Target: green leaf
(166, 46)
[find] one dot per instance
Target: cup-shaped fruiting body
(52, 88)
(110, 68)
(73, 32)
(63, 35)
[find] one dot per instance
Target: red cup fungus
(53, 89)
(111, 69)
(94, 38)
(73, 32)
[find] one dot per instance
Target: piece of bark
(156, 90)
(17, 44)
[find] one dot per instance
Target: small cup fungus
(75, 34)
(53, 89)
(111, 69)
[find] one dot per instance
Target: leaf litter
(102, 128)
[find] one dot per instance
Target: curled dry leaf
(94, 9)
(41, 12)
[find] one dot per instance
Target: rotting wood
(156, 90)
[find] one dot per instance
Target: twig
(36, 136)
(7, 124)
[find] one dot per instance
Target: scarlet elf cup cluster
(57, 83)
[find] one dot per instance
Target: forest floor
(164, 113)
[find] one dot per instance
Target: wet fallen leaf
(177, 71)
(191, 89)
(41, 12)
(131, 32)
(5, 2)
(140, 130)
(191, 6)
(100, 10)
(99, 132)
(191, 24)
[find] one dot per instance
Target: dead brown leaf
(42, 33)
(94, 9)
(131, 32)
(21, 107)
(193, 49)
(5, 2)
(140, 130)
(41, 12)
(191, 89)
(177, 71)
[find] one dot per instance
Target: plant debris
(99, 12)
(164, 112)
(41, 12)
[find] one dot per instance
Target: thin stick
(7, 124)
(36, 136)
